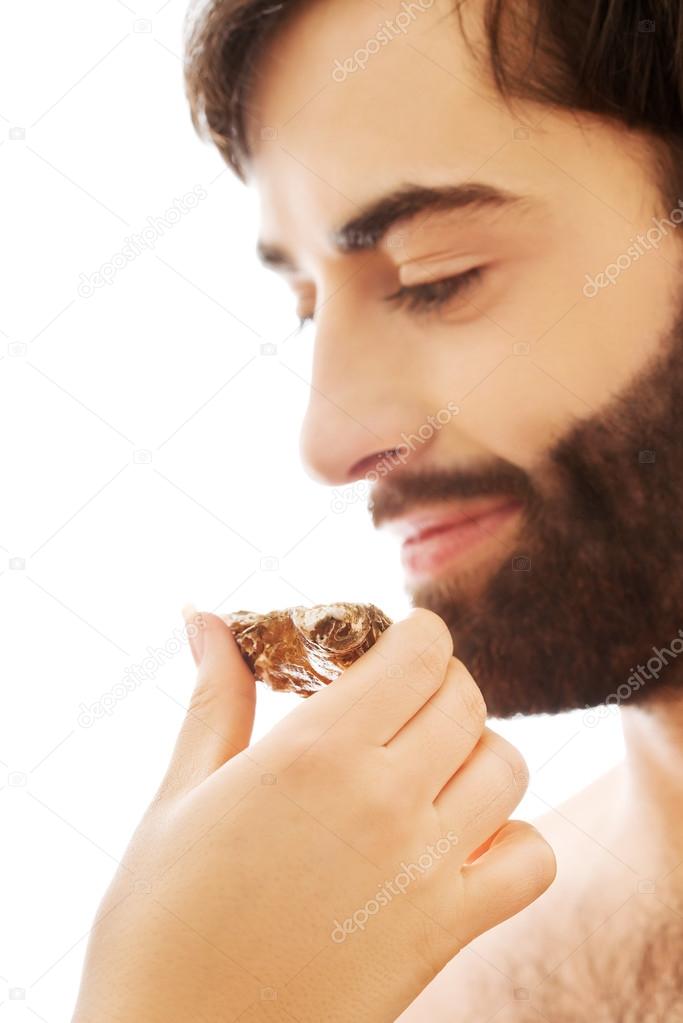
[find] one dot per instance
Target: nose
(363, 406)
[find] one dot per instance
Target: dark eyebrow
(366, 229)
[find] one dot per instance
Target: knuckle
(427, 671)
(431, 648)
(420, 650)
(514, 766)
(432, 630)
(472, 698)
(296, 745)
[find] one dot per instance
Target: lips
(437, 539)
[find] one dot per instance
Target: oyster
(301, 649)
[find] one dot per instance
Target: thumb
(515, 869)
(220, 717)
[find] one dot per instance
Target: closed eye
(425, 297)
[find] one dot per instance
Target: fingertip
(542, 855)
(220, 642)
(525, 840)
(193, 629)
(210, 637)
(516, 869)
(220, 715)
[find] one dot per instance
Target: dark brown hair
(622, 59)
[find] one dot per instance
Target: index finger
(378, 694)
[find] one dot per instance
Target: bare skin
(249, 888)
(600, 944)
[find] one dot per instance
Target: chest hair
(632, 974)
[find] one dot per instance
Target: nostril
(390, 456)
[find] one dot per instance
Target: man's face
(517, 428)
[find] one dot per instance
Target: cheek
(606, 340)
(510, 407)
(518, 397)
(517, 411)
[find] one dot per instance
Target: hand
(329, 871)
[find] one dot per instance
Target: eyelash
(425, 297)
(434, 294)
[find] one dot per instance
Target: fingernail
(194, 626)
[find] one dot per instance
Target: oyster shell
(301, 649)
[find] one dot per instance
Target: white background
(149, 458)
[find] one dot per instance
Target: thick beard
(603, 534)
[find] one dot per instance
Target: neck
(653, 735)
